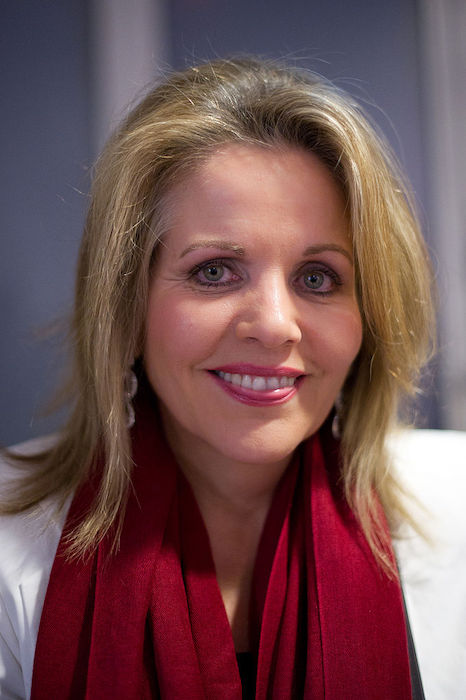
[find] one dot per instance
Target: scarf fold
(149, 621)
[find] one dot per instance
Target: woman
(250, 261)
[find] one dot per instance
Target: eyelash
(312, 268)
(197, 269)
(308, 268)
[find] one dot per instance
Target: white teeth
(236, 379)
(257, 383)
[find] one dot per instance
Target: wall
(44, 163)
(56, 59)
(371, 49)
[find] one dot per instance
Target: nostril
(271, 330)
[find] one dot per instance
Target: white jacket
(432, 465)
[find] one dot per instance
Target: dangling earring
(131, 387)
(336, 422)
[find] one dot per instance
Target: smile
(262, 387)
(257, 383)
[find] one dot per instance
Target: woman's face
(252, 322)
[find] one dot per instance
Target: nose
(269, 314)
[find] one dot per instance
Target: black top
(247, 672)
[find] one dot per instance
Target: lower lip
(258, 398)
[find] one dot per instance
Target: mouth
(263, 386)
(257, 382)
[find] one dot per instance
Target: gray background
(47, 134)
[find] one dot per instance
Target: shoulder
(431, 467)
(28, 542)
(27, 539)
(422, 449)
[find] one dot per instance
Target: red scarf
(149, 622)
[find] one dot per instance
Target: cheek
(350, 336)
(181, 332)
(167, 323)
(340, 339)
(172, 331)
(165, 348)
(181, 318)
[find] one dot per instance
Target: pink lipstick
(258, 386)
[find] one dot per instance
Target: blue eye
(212, 272)
(314, 280)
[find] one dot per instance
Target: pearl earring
(336, 422)
(131, 387)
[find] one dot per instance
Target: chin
(260, 449)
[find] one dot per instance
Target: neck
(234, 498)
(240, 488)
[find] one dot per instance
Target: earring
(336, 422)
(131, 387)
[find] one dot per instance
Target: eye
(314, 280)
(215, 273)
(317, 279)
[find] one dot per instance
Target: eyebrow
(222, 245)
(323, 247)
(239, 250)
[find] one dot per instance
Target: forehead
(245, 190)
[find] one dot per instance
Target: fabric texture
(149, 621)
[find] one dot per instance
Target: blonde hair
(177, 126)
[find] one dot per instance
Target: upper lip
(258, 371)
